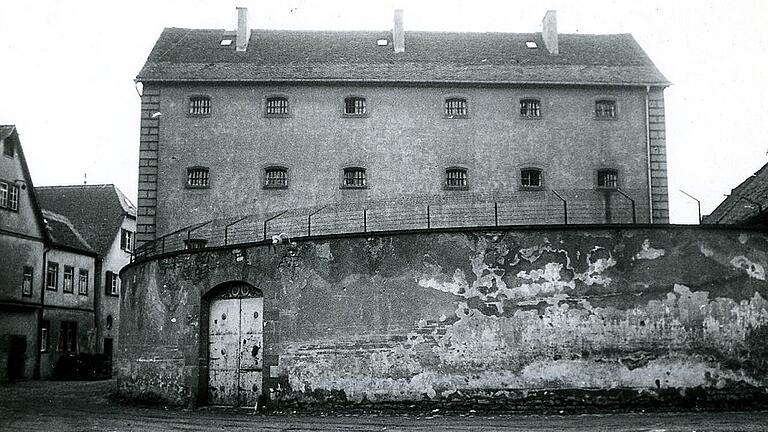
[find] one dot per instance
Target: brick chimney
(398, 32)
(549, 32)
(243, 32)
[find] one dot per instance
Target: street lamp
(695, 199)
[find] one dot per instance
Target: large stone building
(258, 122)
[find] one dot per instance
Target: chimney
(398, 33)
(243, 33)
(549, 32)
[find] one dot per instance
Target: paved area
(86, 406)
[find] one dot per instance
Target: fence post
(226, 229)
(428, 221)
(162, 248)
(496, 213)
(634, 216)
(565, 206)
(365, 220)
(267, 220)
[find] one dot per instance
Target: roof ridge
(76, 186)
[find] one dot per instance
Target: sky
(67, 71)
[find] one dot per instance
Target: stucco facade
(405, 143)
(495, 317)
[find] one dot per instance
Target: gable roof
(96, 211)
(10, 132)
(63, 234)
(744, 203)
(430, 57)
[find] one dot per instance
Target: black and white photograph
(390, 215)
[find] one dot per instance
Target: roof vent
(382, 42)
(531, 45)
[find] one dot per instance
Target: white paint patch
(648, 253)
(754, 270)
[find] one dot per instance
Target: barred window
(530, 177)
(354, 106)
(26, 282)
(456, 178)
(9, 196)
(608, 178)
(605, 109)
(69, 279)
(277, 106)
(276, 177)
(530, 108)
(455, 107)
(195, 243)
(82, 282)
(197, 177)
(354, 177)
(199, 105)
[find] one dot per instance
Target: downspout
(648, 152)
(39, 356)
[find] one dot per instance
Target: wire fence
(551, 207)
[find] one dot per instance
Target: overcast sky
(67, 70)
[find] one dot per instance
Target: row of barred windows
(356, 177)
(356, 106)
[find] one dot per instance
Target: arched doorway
(235, 341)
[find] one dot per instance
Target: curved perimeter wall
(468, 317)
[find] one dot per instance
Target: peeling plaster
(754, 270)
(648, 253)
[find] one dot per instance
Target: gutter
(40, 311)
(648, 152)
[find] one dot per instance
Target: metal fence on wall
(573, 206)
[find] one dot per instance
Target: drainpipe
(648, 152)
(39, 354)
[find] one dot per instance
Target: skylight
(531, 44)
(381, 42)
(226, 42)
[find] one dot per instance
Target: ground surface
(87, 406)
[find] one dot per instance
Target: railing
(566, 207)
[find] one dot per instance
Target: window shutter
(108, 282)
(122, 239)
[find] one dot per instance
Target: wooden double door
(235, 346)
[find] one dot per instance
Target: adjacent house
(23, 250)
(107, 221)
(261, 121)
(747, 203)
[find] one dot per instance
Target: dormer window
(277, 106)
(456, 178)
(198, 178)
(455, 108)
(275, 177)
(607, 179)
(530, 108)
(354, 106)
(199, 106)
(605, 109)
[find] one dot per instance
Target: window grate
(354, 106)
(277, 106)
(608, 179)
(199, 105)
(354, 177)
(530, 108)
(198, 177)
(276, 177)
(456, 178)
(530, 178)
(456, 107)
(605, 109)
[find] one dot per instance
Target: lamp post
(698, 203)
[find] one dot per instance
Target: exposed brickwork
(658, 142)
(148, 146)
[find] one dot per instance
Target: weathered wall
(404, 142)
(467, 317)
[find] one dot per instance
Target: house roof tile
(96, 211)
(745, 201)
(63, 233)
(326, 56)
